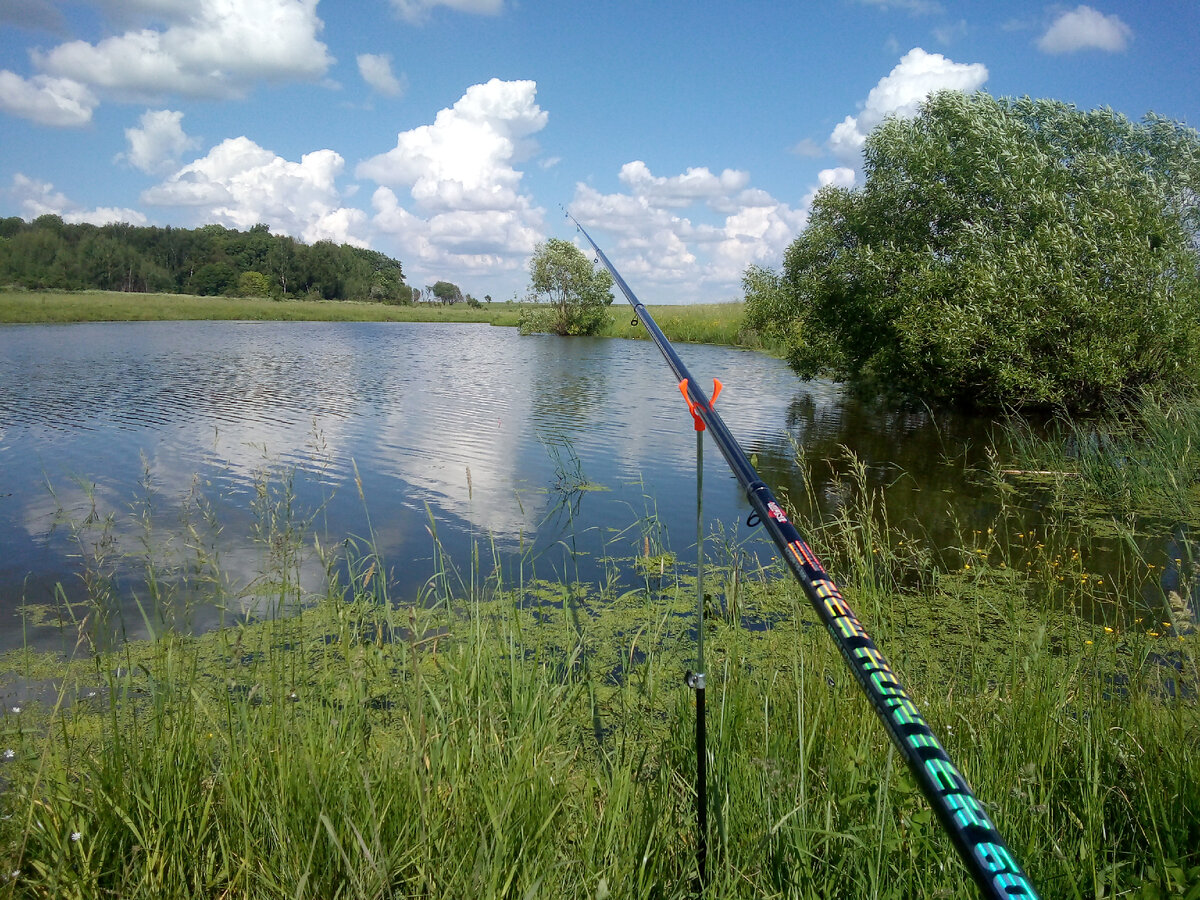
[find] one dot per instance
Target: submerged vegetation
(513, 737)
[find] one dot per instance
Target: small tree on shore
(447, 292)
(578, 293)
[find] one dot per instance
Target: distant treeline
(49, 253)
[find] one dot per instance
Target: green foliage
(1143, 461)
(447, 292)
(49, 254)
(213, 279)
(253, 284)
(579, 294)
(1017, 253)
(769, 302)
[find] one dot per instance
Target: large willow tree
(1017, 253)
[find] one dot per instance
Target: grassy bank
(710, 323)
(700, 323)
(109, 306)
(492, 739)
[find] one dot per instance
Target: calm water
(472, 425)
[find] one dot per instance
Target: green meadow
(113, 306)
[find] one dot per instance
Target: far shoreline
(706, 323)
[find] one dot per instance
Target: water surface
(469, 429)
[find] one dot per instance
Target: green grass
(109, 306)
(700, 323)
(534, 739)
(1143, 459)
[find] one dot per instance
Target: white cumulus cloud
(239, 184)
(61, 102)
(468, 210)
(900, 93)
(681, 190)
(38, 198)
(216, 48)
(1084, 28)
(376, 70)
(689, 236)
(158, 144)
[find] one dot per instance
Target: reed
(1142, 458)
(534, 739)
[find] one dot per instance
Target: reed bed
(534, 739)
(1142, 458)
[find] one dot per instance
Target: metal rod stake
(701, 750)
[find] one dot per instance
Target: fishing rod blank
(976, 839)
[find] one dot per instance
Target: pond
(194, 433)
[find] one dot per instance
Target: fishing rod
(964, 818)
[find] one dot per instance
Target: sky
(454, 135)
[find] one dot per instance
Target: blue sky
(688, 136)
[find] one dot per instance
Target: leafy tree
(50, 222)
(31, 257)
(447, 292)
(253, 284)
(325, 274)
(1017, 253)
(283, 263)
(770, 302)
(213, 279)
(579, 294)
